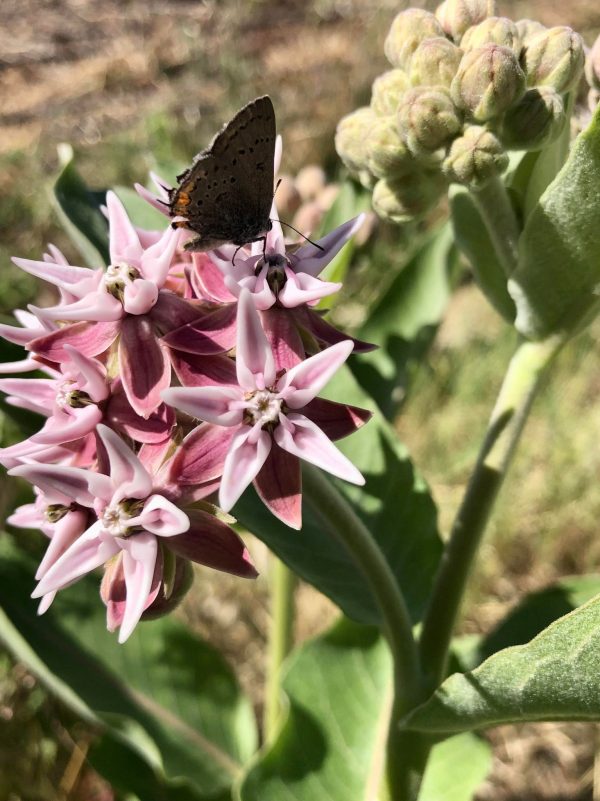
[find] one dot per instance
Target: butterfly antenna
(281, 222)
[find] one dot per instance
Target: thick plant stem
(518, 390)
(283, 584)
(496, 209)
(340, 519)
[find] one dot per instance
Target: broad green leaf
(553, 677)
(404, 320)
(164, 682)
(474, 241)
(330, 744)
(456, 768)
(140, 212)
(395, 505)
(555, 286)
(79, 211)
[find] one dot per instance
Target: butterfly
(226, 195)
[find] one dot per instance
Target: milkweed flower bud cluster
(170, 381)
(465, 87)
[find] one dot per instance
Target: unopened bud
(475, 157)
(427, 120)
(310, 181)
(489, 80)
(494, 30)
(593, 99)
(457, 16)
(554, 58)
(407, 32)
(435, 62)
(351, 137)
(534, 121)
(288, 197)
(308, 217)
(387, 92)
(386, 152)
(592, 65)
(403, 201)
(528, 28)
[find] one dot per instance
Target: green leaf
(394, 504)
(473, 239)
(168, 688)
(456, 768)
(553, 677)
(555, 286)
(329, 747)
(79, 211)
(404, 321)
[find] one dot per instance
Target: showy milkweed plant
(182, 401)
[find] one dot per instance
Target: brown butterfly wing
(226, 195)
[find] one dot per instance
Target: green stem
(281, 634)
(519, 388)
(341, 520)
(496, 209)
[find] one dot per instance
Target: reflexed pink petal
(39, 392)
(92, 377)
(18, 335)
(194, 370)
(308, 442)
(99, 307)
(279, 485)
(46, 602)
(201, 455)
(247, 454)
(64, 534)
(209, 334)
(311, 260)
(172, 312)
(327, 334)
(207, 280)
(145, 368)
(255, 364)
(77, 280)
(81, 486)
(336, 420)
(120, 415)
(211, 404)
(157, 203)
(65, 427)
(88, 552)
(140, 296)
(139, 560)
(129, 477)
(161, 517)
(157, 259)
(284, 338)
(113, 589)
(124, 241)
(90, 339)
(28, 452)
(304, 381)
(27, 516)
(213, 543)
(152, 455)
(301, 288)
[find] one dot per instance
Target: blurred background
(135, 84)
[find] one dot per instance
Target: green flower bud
(387, 92)
(489, 80)
(387, 155)
(457, 16)
(592, 65)
(407, 32)
(402, 201)
(435, 63)
(554, 58)
(493, 30)
(427, 120)
(475, 157)
(351, 136)
(527, 29)
(534, 121)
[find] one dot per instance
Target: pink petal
(121, 416)
(113, 589)
(336, 420)
(311, 260)
(153, 454)
(161, 517)
(88, 552)
(99, 306)
(124, 241)
(308, 442)
(201, 456)
(157, 259)
(27, 516)
(157, 203)
(18, 335)
(172, 312)
(127, 474)
(64, 534)
(140, 296)
(301, 288)
(302, 383)
(89, 339)
(211, 404)
(77, 280)
(194, 370)
(213, 543)
(65, 427)
(279, 485)
(255, 364)
(21, 366)
(39, 392)
(207, 280)
(247, 454)
(139, 560)
(209, 334)
(78, 485)
(92, 378)
(284, 339)
(145, 368)
(328, 334)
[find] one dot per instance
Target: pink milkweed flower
(272, 420)
(135, 517)
(29, 329)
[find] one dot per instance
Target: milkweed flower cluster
(170, 382)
